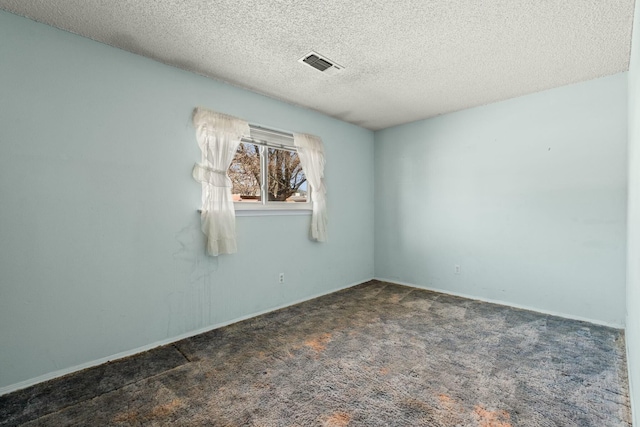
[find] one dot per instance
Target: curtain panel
(311, 153)
(218, 136)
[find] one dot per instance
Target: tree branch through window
(285, 180)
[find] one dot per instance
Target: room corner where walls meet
(522, 201)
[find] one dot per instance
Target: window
(266, 173)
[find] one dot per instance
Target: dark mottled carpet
(372, 355)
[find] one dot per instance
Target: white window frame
(266, 138)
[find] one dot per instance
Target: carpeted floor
(373, 355)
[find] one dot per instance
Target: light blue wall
(100, 246)
(633, 225)
(528, 196)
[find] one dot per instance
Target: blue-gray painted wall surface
(100, 243)
(528, 196)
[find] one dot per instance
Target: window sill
(245, 209)
(272, 212)
(256, 209)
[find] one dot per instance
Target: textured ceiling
(404, 60)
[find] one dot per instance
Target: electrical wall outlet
(281, 278)
(456, 269)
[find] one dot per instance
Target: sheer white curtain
(218, 136)
(311, 153)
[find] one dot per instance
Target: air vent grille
(321, 63)
(317, 63)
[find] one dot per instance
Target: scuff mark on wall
(194, 304)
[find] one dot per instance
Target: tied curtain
(311, 154)
(218, 136)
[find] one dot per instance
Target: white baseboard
(123, 354)
(509, 304)
(61, 372)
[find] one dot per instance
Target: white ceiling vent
(321, 63)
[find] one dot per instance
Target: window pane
(286, 181)
(245, 174)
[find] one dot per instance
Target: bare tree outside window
(285, 179)
(285, 174)
(245, 173)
